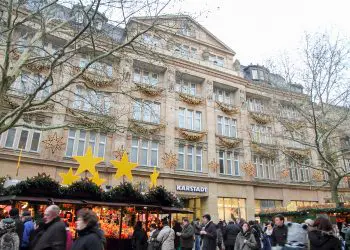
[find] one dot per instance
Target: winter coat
(177, 229)
(28, 229)
(187, 236)
(152, 238)
(139, 240)
(197, 227)
(90, 238)
(209, 239)
(69, 240)
(230, 234)
(219, 238)
(53, 236)
(35, 236)
(249, 245)
(257, 235)
(166, 236)
(279, 235)
(19, 228)
(320, 240)
(9, 239)
(347, 238)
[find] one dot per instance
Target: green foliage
(2, 182)
(159, 195)
(84, 189)
(124, 192)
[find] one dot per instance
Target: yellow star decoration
(87, 162)
(124, 167)
(97, 180)
(154, 176)
(69, 177)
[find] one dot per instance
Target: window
(186, 51)
(186, 87)
(255, 105)
(186, 30)
(91, 101)
(226, 126)
(216, 60)
(28, 83)
(289, 112)
(146, 111)
(229, 163)
(267, 204)
(298, 172)
(258, 75)
(23, 138)
(255, 74)
(78, 142)
(190, 158)
(347, 165)
(303, 203)
(98, 24)
(231, 208)
(265, 168)
(98, 68)
(144, 152)
(190, 119)
(224, 96)
(79, 17)
(261, 134)
(145, 77)
(151, 40)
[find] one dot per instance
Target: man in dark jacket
(54, 236)
(197, 229)
(186, 235)
(280, 232)
(14, 214)
(28, 229)
(256, 231)
(230, 234)
(208, 233)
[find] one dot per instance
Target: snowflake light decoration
(170, 160)
(54, 143)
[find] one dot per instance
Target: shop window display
(231, 208)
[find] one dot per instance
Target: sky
(258, 30)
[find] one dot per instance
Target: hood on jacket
(319, 238)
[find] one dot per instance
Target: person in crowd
(256, 231)
(197, 228)
(139, 237)
(39, 228)
(245, 239)
(177, 229)
(208, 233)
(310, 224)
(322, 238)
(9, 239)
(90, 237)
(28, 226)
(54, 235)
(166, 236)
(343, 228)
(280, 232)
(14, 214)
(347, 239)
(267, 239)
(69, 239)
(152, 240)
(186, 235)
(219, 238)
(230, 234)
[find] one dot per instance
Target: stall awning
(176, 210)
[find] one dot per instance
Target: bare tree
(50, 48)
(318, 121)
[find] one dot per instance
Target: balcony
(191, 135)
(190, 99)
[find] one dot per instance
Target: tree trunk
(334, 193)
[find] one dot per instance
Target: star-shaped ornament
(54, 143)
(124, 167)
(68, 178)
(87, 162)
(97, 180)
(154, 176)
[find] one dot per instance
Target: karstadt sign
(192, 189)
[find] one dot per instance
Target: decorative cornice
(268, 152)
(229, 142)
(95, 79)
(298, 154)
(227, 109)
(143, 128)
(190, 99)
(191, 135)
(148, 89)
(262, 119)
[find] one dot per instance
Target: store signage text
(193, 189)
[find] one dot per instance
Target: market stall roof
(176, 210)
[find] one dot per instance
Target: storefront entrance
(193, 204)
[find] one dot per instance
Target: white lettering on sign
(192, 189)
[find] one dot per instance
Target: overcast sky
(260, 29)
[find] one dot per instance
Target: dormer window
(216, 60)
(98, 24)
(258, 75)
(79, 17)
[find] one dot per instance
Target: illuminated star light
(124, 167)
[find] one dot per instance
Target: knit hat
(7, 224)
(14, 212)
(26, 213)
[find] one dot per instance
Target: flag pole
(19, 161)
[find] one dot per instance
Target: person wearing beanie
(28, 225)
(14, 214)
(208, 233)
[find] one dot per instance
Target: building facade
(196, 105)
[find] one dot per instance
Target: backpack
(9, 239)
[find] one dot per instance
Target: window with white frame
(258, 75)
(190, 158)
(229, 163)
(216, 60)
(146, 111)
(144, 152)
(79, 17)
(28, 83)
(99, 68)
(293, 138)
(255, 105)
(186, 87)
(347, 165)
(289, 112)
(265, 167)
(145, 76)
(226, 126)
(21, 138)
(186, 51)
(298, 171)
(190, 119)
(224, 96)
(91, 101)
(261, 134)
(78, 142)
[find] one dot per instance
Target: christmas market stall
(118, 208)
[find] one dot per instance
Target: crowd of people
(51, 233)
